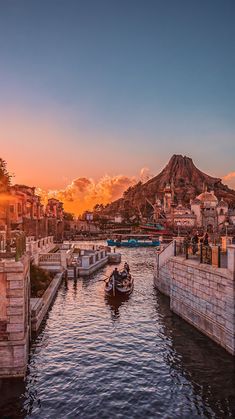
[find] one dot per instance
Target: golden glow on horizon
(38, 150)
(45, 150)
(83, 193)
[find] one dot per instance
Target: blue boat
(134, 243)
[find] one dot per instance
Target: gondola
(121, 287)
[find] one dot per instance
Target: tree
(68, 216)
(5, 177)
(98, 207)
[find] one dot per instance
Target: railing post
(219, 257)
(201, 256)
(231, 259)
(174, 247)
(186, 250)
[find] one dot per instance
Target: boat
(134, 243)
(121, 287)
(156, 229)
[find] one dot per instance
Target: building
(205, 211)
(54, 214)
(21, 209)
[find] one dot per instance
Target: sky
(101, 89)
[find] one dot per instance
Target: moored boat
(134, 243)
(119, 284)
(155, 229)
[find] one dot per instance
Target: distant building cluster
(205, 211)
(21, 209)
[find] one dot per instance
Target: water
(133, 359)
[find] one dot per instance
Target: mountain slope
(185, 178)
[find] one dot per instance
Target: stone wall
(14, 317)
(202, 295)
(162, 274)
(40, 306)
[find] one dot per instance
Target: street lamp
(178, 225)
(226, 229)
(8, 228)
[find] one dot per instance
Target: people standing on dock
(195, 241)
(206, 239)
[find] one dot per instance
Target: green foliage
(39, 279)
(68, 216)
(5, 178)
(98, 207)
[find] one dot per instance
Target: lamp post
(178, 225)
(226, 229)
(8, 228)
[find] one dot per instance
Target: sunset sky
(92, 88)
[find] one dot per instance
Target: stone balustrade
(43, 244)
(36, 247)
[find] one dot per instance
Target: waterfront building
(54, 213)
(204, 211)
(21, 209)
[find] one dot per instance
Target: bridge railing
(164, 254)
(207, 254)
(50, 257)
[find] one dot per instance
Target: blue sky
(113, 86)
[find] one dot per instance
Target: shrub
(40, 280)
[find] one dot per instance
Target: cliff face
(185, 178)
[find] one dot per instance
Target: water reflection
(114, 304)
(11, 400)
(209, 368)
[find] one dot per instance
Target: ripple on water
(96, 359)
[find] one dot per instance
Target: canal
(134, 359)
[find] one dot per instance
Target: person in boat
(127, 267)
(123, 274)
(116, 275)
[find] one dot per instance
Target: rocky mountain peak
(186, 181)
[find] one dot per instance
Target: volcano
(186, 181)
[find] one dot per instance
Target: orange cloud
(230, 178)
(83, 193)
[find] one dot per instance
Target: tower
(167, 200)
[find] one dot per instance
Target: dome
(222, 203)
(207, 197)
(196, 201)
